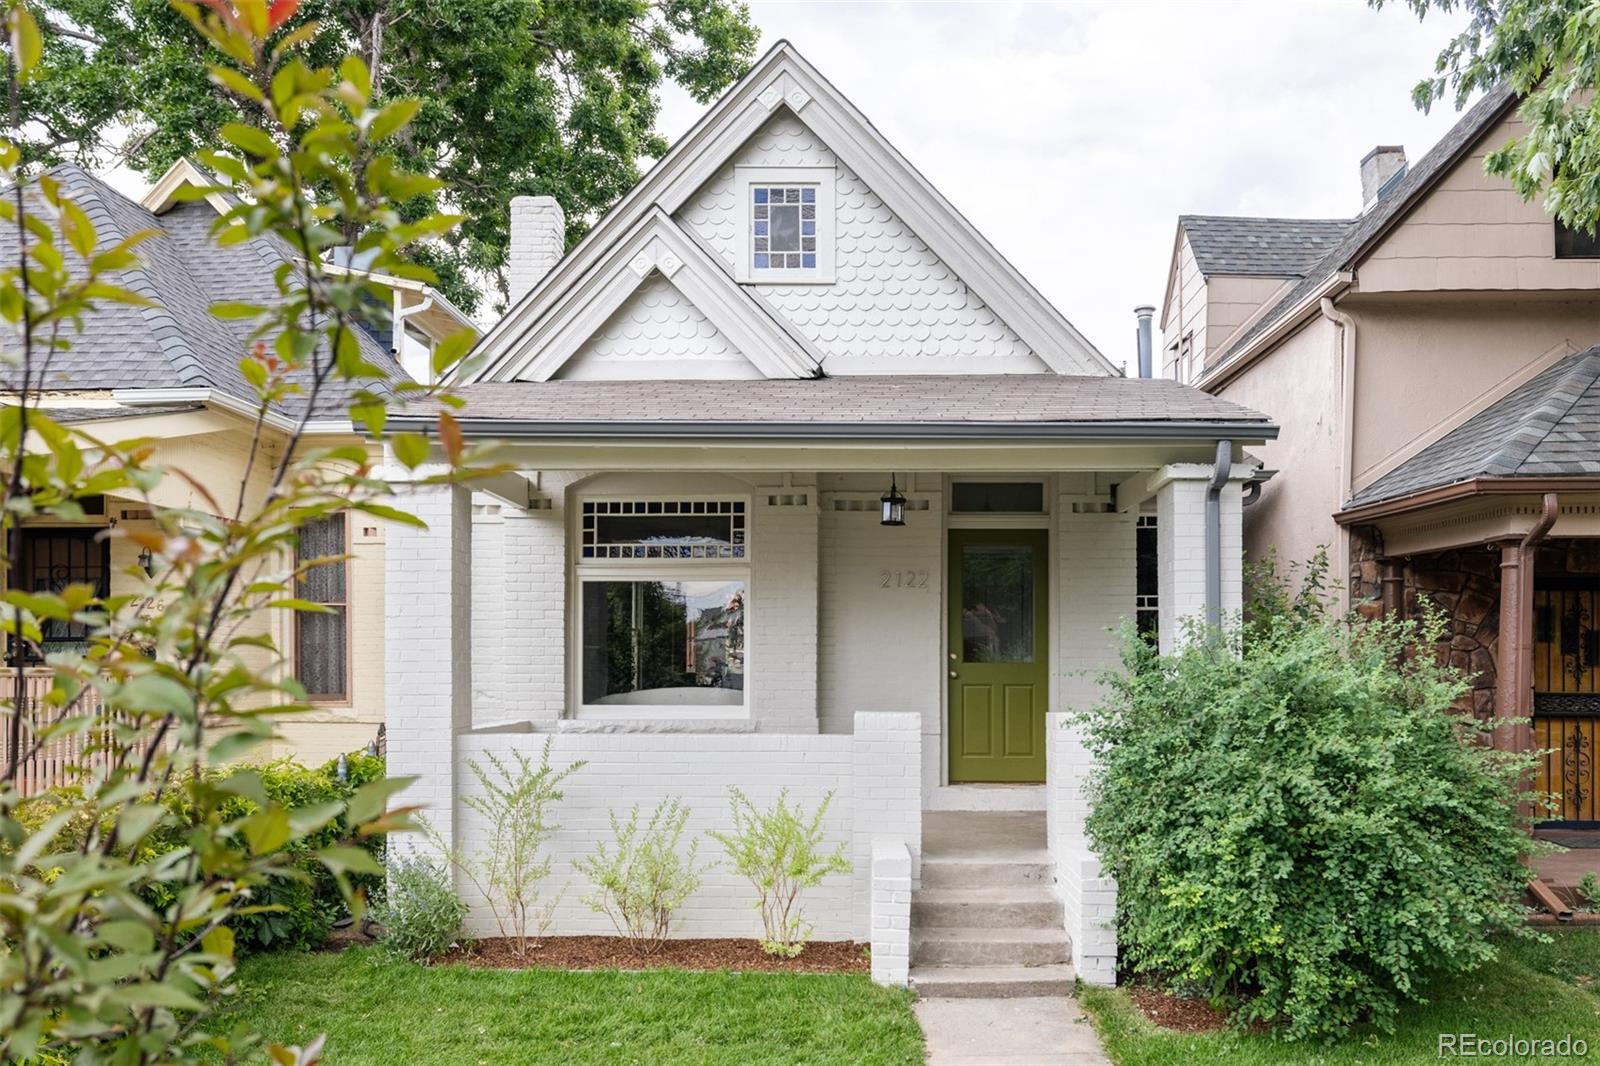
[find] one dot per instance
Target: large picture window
(662, 596)
(321, 654)
(663, 643)
(52, 559)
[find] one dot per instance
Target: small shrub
(780, 851)
(421, 915)
(1303, 831)
(1589, 889)
(640, 882)
(515, 802)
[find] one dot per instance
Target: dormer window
(786, 219)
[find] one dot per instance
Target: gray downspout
(1219, 478)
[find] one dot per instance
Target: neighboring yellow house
(169, 372)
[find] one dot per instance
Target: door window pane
(678, 643)
(51, 560)
(997, 603)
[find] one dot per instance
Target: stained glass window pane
(783, 225)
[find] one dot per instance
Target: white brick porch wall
(1096, 558)
(872, 775)
(783, 632)
(1181, 540)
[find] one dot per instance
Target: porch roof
(1547, 428)
(922, 405)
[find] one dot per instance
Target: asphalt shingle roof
(851, 399)
(177, 342)
(1261, 247)
(1548, 427)
(1418, 179)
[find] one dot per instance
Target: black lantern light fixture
(894, 506)
(147, 562)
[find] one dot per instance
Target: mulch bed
(1179, 1015)
(615, 953)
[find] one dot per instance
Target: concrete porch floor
(984, 835)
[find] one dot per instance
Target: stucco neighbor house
(1433, 363)
(815, 492)
(169, 373)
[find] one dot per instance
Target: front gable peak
(775, 242)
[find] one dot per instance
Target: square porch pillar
(428, 647)
(1180, 490)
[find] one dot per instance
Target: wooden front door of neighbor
(998, 655)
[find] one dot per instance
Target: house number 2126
(902, 579)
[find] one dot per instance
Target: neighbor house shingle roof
(177, 342)
(852, 400)
(1363, 231)
(1548, 427)
(1261, 247)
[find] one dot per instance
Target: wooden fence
(61, 760)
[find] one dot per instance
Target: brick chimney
(1377, 167)
(538, 240)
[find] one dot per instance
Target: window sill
(655, 725)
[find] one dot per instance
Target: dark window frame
(1575, 244)
(21, 578)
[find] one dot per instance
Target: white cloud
(1073, 135)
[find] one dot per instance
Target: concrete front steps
(986, 922)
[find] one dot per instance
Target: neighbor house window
(1147, 602)
(1576, 244)
(321, 653)
(786, 223)
(49, 561)
(663, 590)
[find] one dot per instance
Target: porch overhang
(1478, 511)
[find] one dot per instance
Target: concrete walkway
(1033, 1031)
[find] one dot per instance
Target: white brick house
(690, 582)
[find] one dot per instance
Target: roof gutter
(522, 429)
(1483, 486)
(1234, 363)
(224, 401)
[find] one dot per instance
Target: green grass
(379, 1009)
(1533, 990)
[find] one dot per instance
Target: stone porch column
(1181, 545)
(428, 647)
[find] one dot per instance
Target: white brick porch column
(1181, 545)
(1096, 558)
(428, 647)
(886, 800)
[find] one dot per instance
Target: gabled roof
(1366, 231)
(1549, 427)
(783, 78)
(1260, 247)
(899, 405)
(176, 343)
(656, 245)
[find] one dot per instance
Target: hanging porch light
(894, 506)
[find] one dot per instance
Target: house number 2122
(902, 579)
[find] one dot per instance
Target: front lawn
(1533, 990)
(381, 1010)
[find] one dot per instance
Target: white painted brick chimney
(538, 240)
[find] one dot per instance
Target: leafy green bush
(1302, 831)
(297, 905)
(421, 914)
(644, 879)
(780, 851)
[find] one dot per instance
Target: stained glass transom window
(783, 227)
(663, 529)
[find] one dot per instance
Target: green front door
(998, 664)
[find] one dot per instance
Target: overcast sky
(1073, 134)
